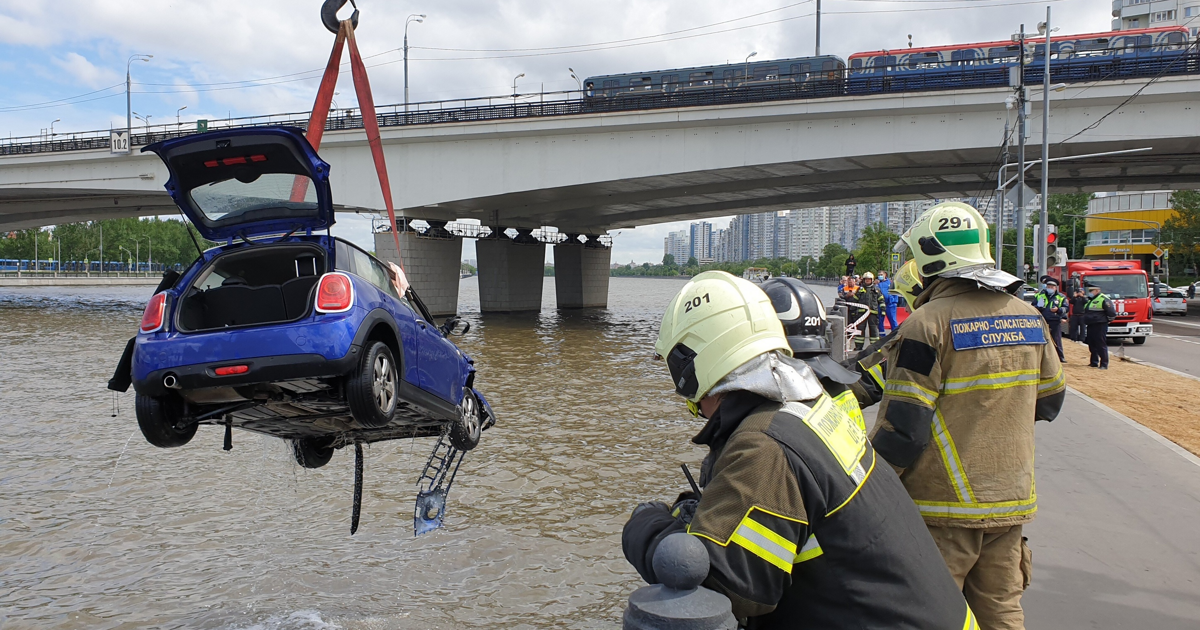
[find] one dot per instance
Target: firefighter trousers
(993, 566)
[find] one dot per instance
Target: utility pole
(818, 51)
(1000, 198)
(1040, 246)
(1022, 103)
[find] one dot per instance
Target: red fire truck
(1125, 282)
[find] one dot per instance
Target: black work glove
(685, 507)
(647, 526)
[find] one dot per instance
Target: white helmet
(948, 236)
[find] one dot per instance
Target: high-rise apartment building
(678, 246)
(1135, 14)
(700, 235)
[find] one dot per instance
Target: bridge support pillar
(510, 272)
(432, 262)
(581, 273)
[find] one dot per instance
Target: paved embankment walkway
(1116, 542)
(74, 281)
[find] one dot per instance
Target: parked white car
(1170, 302)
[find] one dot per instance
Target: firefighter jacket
(967, 377)
(870, 297)
(804, 527)
(1099, 310)
(1052, 307)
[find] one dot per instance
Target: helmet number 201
(696, 302)
(954, 223)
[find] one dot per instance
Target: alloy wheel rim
(469, 410)
(384, 386)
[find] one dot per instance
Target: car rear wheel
(371, 390)
(158, 418)
(466, 429)
(312, 452)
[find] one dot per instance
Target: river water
(98, 529)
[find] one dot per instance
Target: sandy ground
(1159, 400)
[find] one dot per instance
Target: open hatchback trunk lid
(248, 181)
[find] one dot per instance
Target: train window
(700, 78)
(857, 64)
(888, 62)
(828, 64)
(765, 73)
(1175, 39)
(612, 83)
(1006, 52)
(962, 57)
(670, 78)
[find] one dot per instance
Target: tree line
(161, 241)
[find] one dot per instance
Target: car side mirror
(451, 325)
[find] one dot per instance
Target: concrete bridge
(588, 173)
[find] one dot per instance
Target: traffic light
(1055, 255)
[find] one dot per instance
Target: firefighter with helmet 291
(968, 374)
(841, 544)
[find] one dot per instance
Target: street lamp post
(125, 250)
(418, 18)
(746, 77)
(145, 120)
(1022, 103)
(577, 81)
(129, 99)
(1040, 246)
(818, 51)
(177, 116)
(52, 127)
(515, 87)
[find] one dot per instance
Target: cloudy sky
(65, 59)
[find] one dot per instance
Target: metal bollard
(679, 603)
(836, 335)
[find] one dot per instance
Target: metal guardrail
(575, 102)
(451, 229)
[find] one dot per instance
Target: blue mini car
(281, 330)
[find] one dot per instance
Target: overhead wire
(61, 101)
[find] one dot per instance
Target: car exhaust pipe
(170, 382)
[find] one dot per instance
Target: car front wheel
(465, 431)
(1139, 340)
(158, 418)
(371, 390)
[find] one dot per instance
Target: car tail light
(155, 313)
(335, 293)
(230, 370)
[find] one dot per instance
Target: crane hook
(329, 15)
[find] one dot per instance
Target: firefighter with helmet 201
(804, 321)
(969, 373)
(802, 524)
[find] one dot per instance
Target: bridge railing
(892, 79)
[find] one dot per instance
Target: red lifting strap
(366, 105)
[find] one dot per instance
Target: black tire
(312, 452)
(1137, 341)
(372, 389)
(468, 426)
(158, 417)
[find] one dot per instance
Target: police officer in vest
(1053, 307)
(969, 373)
(802, 524)
(1097, 313)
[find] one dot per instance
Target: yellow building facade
(1126, 225)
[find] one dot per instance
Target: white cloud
(85, 71)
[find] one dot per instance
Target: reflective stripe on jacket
(968, 376)
(802, 523)
(1050, 307)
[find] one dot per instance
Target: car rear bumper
(261, 370)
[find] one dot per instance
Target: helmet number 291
(695, 302)
(954, 223)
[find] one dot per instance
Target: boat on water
(757, 274)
